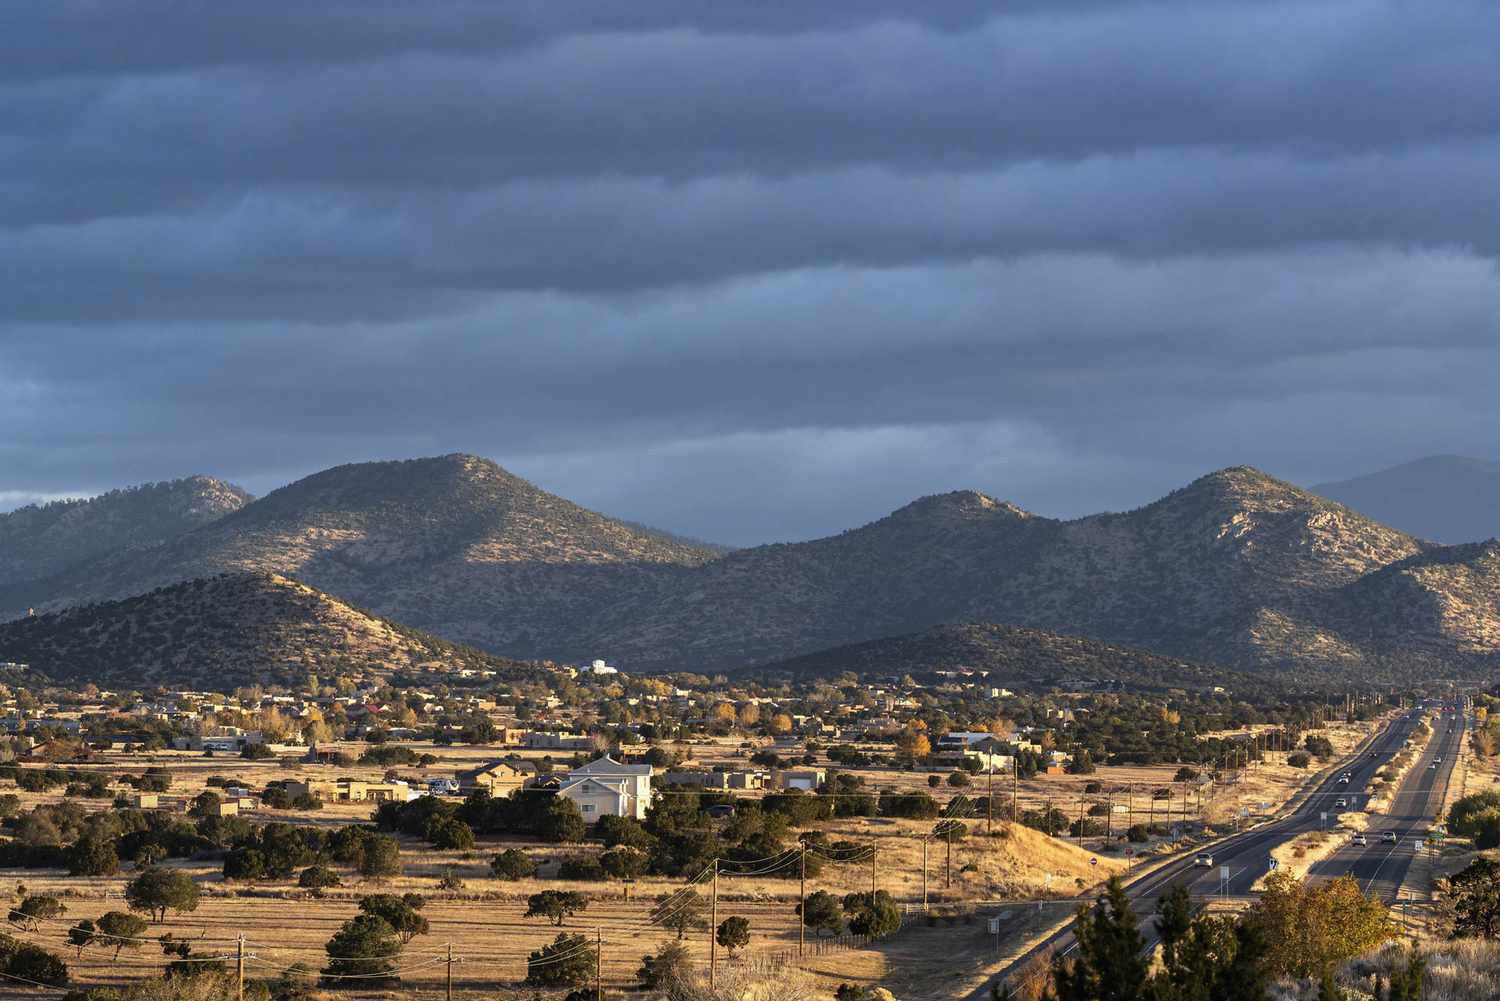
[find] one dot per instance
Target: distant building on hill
(598, 668)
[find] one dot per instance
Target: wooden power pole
(802, 907)
(713, 931)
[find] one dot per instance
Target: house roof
(609, 766)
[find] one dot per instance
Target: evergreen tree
(1109, 966)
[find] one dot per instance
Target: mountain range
(1237, 568)
(1446, 498)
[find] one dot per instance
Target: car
(1204, 861)
(1343, 780)
(1359, 839)
(1341, 803)
(1389, 837)
(1433, 765)
(1438, 759)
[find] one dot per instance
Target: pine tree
(1109, 966)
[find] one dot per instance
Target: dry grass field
(285, 926)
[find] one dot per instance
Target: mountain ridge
(1448, 498)
(41, 540)
(1236, 567)
(233, 629)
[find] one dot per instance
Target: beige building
(351, 791)
(499, 778)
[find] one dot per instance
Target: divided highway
(1246, 855)
(1381, 866)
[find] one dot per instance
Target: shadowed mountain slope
(40, 541)
(235, 629)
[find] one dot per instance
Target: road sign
(1093, 861)
(1272, 864)
(994, 926)
(1224, 873)
(1416, 843)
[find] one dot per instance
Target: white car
(1341, 803)
(1204, 861)
(1359, 839)
(1389, 837)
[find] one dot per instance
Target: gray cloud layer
(750, 271)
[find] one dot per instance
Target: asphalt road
(1246, 855)
(1380, 866)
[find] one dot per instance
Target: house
(351, 791)
(145, 801)
(630, 785)
(224, 808)
(547, 740)
(806, 779)
(598, 668)
(499, 778)
(716, 780)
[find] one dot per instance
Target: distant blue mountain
(1445, 498)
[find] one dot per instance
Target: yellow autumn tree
(781, 723)
(912, 744)
(1316, 928)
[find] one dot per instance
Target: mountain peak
(961, 502)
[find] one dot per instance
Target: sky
(749, 272)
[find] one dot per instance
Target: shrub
(317, 877)
(364, 946)
(568, 961)
(581, 867)
(512, 864)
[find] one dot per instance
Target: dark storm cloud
(1071, 253)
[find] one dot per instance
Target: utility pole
(948, 874)
(598, 964)
(713, 931)
(802, 907)
(448, 980)
(239, 964)
(989, 809)
(1015, 787)
(874, 853)
(924, 874)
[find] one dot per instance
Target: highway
(1246, 855)
(1380, 866)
